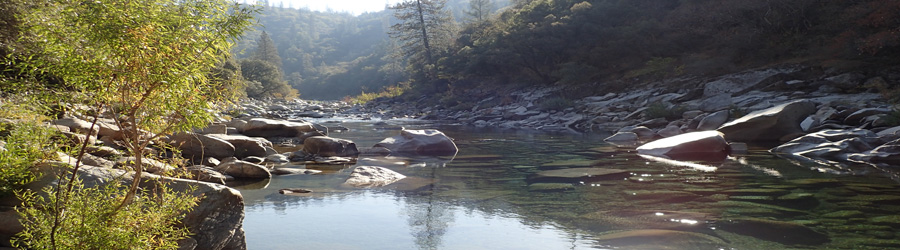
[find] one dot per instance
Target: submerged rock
(687, 146)
(579, 174)
(424, 142)
(660, 239)
(773, 124)
(788, 233)
(371, 176)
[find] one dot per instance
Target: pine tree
(425, 28)
(480, 10)
(266, 51)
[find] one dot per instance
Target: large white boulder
(424, 142)
(689, 145)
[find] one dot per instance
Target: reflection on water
(486, 198)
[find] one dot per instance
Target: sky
(355, 7)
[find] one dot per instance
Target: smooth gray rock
(688, 145)
(716, 103)
(243, 169)
(830, 144)
(261, 127)
(328, 146)
(245, 146)
(669, 131)
(371, 176)
(423, 142)
(713, 121)
(198, 146)
(772, 124)
(150, 165)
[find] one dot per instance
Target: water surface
(487, 197)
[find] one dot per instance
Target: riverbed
(487, 197)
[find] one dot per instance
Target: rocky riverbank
(836, 116)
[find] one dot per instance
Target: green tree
(148, 63)
(263, 79)
(480, 10)
(425, 29)
(266, 51)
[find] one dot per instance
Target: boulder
(245, 146)
(772, 124)
(198, 146)
(835, 145)
(713, 121)
(207, 174)
(424, 142)
(888, 153)
(77, 125)
(644, 133)
(261, 127)
(328, 146)
(716, 103)
(669, 131)
(150, 165)
(370, 176)
(688, 145)
(243, 169)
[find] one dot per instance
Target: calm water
(487, 197)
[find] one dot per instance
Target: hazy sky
(352, 6)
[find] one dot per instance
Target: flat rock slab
(579, 174)
(661, 239)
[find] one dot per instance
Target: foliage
(266, 51)
(480, 10)
(25, 142)
(386, 92)
(87, 221)
(658, 68)
(263, 80)
(150, 65)
(424, 31)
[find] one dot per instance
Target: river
(486, 197)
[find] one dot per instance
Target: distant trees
(263, 80)
(480, 10)
(424, 30)
(266, 50)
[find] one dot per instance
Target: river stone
(150, 165)
(207, 174)
(660, 239)
(831, 144)
(277, 158)
(669, 131)
(788, 233)
(858, 117)
(772, 124)
(424, 142)
(261, 127)
(713, 121)
(77, 125)
(198, 146)
(644, 133)
(245, 146)
(717, 102)
(888, 153)
(550, 187)
(687, 145)
(328, 146)
(371, 176)
(243, 169)
(579, 174)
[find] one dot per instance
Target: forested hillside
(576, 42)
